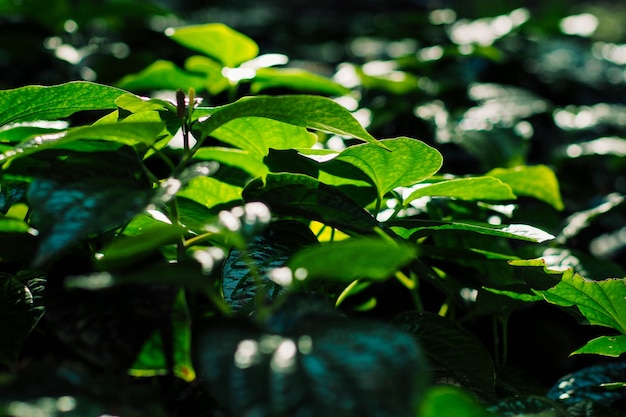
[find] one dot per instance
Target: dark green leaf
(65, 213)
(455, 354)
(21, 307)
(529, 406)
(586, 385)
(295, 194)
(48, 103)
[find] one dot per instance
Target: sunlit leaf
(21, 307)
(218, 41)
(312, 112)
(537, 181)
(163, 75)
(478, 188)
(405, 162)
(417, 228)
(210, 192)
(10, 225)
(214, 80)
(54, 102)
(257, 135)
(295, 79)
(239, 158)
(347, 260)
(613, 346)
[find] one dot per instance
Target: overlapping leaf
(477, 188)
(537, 181)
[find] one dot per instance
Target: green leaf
(415, 229)
(214, 81)
(127, 133)
(21, 307)
(218, 41)
(313, 112)
(455, 354)
(10, 225)
(600, 302)
(48, 103)
(301, 195)
(152, 360)
(587, 384)
(239, 158)
(65, 213)
(405, 162)
(450, 401)
(163, 75)
(613, 346)
(347, 260)
(210, 192)
(257, 135)
(537, 181)
(478, 188)
(295, 79)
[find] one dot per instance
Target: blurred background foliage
(490, 84)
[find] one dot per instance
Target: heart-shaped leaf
(405, 162)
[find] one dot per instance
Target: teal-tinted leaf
(54, 102)
(210, 192)
(418, 228)
(455, 354)
(218, 41)
(587, 385)
(65, 213)
(267, 251)
(295, 79)
(239, 158)
(537, 181)
(214, 81)
(318, 365)
(600, 302)
(529, 406)
(301, 195)
(127, 133)
(613, 346)
(257, 135)
(163, 75)
(21, 307)
(405, 162)
(450, 401)
(347, 260)
(312, 112)
(479, 188)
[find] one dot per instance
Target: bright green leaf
(405, 162)
(210, 192)
(214, 81)
(295, 79)
(537, 181)
(218, 41)
(613, 346)
(313, 112)
(257, 135)
(10, 225)
(479, 188)
(347, 260)
(239, 158)
(450, 401)
(163, 75)
(54, 102)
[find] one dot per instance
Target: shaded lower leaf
(320, 366)
(455, 354)
(450, 401)
(21, 307)
(529, 406)
(587, 385)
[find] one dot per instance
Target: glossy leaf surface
(537, 181)
(479, 188)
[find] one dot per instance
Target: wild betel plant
(231, 247)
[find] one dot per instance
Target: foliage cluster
(238, 243)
